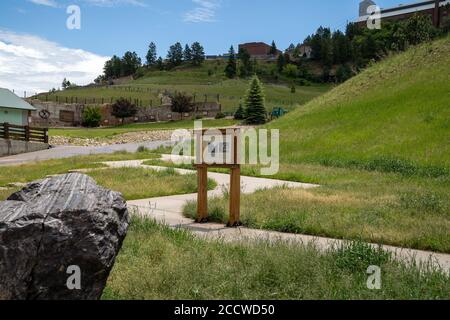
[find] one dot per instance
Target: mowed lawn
(160, 263)
(107, 132)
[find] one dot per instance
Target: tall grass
(160, 263)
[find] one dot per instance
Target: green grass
(159, 263)
(39, 170)
(194, 81)
(393, 117)
(108, 132)
(140, 183)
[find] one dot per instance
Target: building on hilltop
(437, 10)
(259, 50)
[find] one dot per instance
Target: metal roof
(10, 100)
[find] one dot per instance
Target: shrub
(220, 115)
(142, 149)
(240, 113)
(343, 73)
(91, 117)
(182, 103)
(123, 109)
(290, 71)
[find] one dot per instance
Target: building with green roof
(14, 110)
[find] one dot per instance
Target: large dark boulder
(56, 223)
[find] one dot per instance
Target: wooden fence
(23, 133)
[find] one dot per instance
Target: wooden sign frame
(235, 177)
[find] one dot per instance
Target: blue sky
(114, 26)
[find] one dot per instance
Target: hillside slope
(395, 116)
(208, 79)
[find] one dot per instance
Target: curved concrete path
(169, 211)
(61, 152)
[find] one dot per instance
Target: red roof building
(259, 50)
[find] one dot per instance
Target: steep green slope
(395, 116)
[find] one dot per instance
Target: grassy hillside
(205, 80)
(395, 116)
(379, 147)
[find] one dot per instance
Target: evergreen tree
(273, 49)
(246, 66)
(175, 54)
(231, 68)
(130, 63)
(151, 54)
(113, 68)
(240, 113)
(160, 63)
(255, 103)
(281, 63)
(187, 54)
(198, 53)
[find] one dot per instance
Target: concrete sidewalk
(169, 211)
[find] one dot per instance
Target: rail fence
(23, 133)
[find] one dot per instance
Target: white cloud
(48, 3)
(204, 12)
(30, 63)
(113, 3)
(100, 3)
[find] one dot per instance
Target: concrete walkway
(169, 211)
(61, 152)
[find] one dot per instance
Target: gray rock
(56, 223)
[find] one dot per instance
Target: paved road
(71, 151)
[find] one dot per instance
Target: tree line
(131, 63)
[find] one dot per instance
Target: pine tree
(151, 54)
(281, 63)
(246, 63)
(175, 54)
(231, 68)
(240, 113)
(187, 54)
(198, 54)
(255, 103)
(273, 49)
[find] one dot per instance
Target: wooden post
(45, 135)
(235, 198)
(6, 130)
(202, 198)
(27, 133)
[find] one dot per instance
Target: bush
(220, 115)
(123, 109)
(290, 71)
(91, 117)
(343, 73)
(182, 103)
(240, 113)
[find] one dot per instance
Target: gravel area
(130, 137)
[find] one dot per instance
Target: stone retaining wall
(52, 114)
